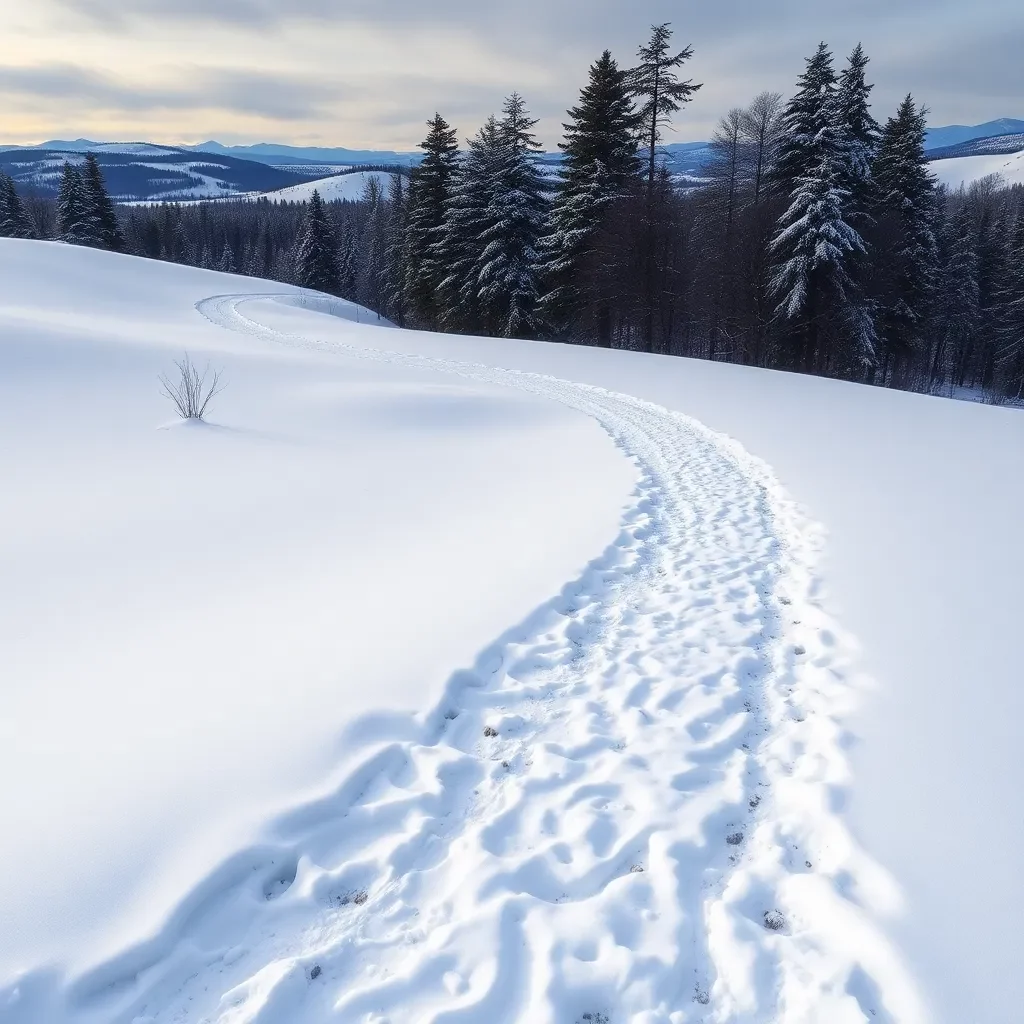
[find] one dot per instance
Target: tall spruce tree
(395, 266)
(467, 216)
(811, 111)
(905, 252)
(14, 221)
(657, 88)
(227, 263)
(95, 191)
(1009, 359)
(862, 131)
(956, 313)
(316, 263)
(429, 190)
(600, 163)
(508, 271)
(77, 222)
(819, 301)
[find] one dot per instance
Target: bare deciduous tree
(193, 391)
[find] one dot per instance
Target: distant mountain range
(956, 134)
(995, 145)
(142, 170)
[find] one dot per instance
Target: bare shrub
(192, 392)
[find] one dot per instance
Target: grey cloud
(960, 61)
(272, 95)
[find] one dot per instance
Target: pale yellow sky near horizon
(367, 73)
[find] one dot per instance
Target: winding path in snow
(625, 811)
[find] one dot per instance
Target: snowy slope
(337, 186)
(963, 170)
(191, 619)
(638, 804)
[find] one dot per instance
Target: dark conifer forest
(815, 240)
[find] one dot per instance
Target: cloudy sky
(366, 73)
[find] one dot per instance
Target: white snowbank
(963, 170)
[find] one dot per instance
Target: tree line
(816, 239)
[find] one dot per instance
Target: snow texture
(636, 804)
(336, 186)
(964, 170)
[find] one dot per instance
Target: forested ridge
(816, 239)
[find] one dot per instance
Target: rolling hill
(144, 171)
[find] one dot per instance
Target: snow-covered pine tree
(829, 325)
(812, 109)
(600, 162)
(657, 88)
(862, 132)
(227, 263)
(467, 216)
(1009, 361)
(956, 309)
(394, 270)
(372, 245)
(508, 270)
(95, 191)
(429, 189)
(316, 263)
(183, 252)
(905, 252)
(77, 222)
(14, 221)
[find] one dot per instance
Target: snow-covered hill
(336, 186)
(964, 170)
(144, 172)
(452, 678)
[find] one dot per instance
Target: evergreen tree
(77, 222)
(956, 311)
(1010, 331)
(227, 264)
(429, 190)
(905, 260)
(600, 162)
(14, 221)
(95, 191)
(508, 271)
(862, 130)
(467, 216)
(815, 245)
(395, 267)
(316, 258)
(809, 123)
(656, 85)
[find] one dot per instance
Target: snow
(719, 772)
(336, 186)
(193, 617)
(964, 170)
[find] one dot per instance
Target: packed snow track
(627, 810)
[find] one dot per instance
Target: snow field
(621, 811)
(965, 170)
(337, 186)
(195, 619)
(636, 804)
